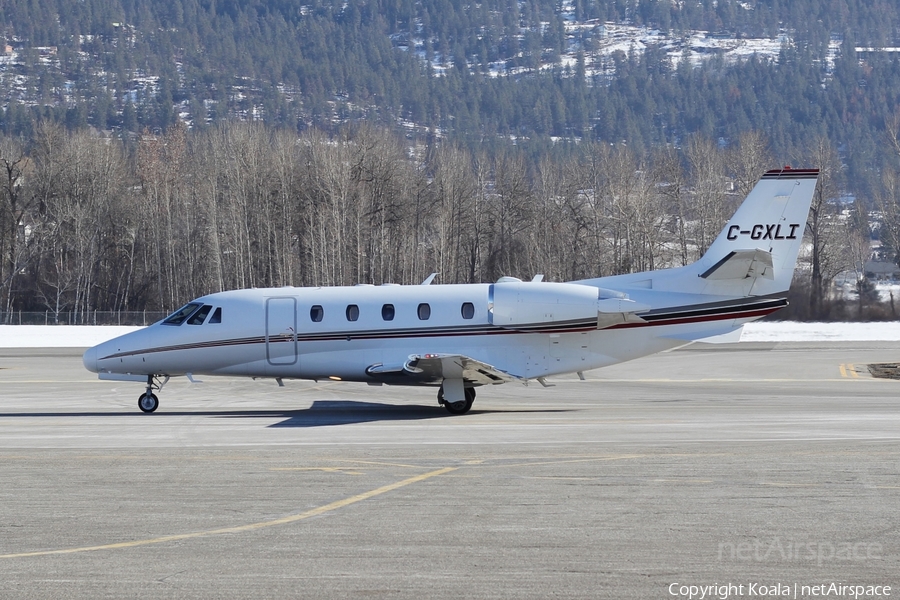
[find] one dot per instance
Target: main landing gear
(460, 407)
(148, 402)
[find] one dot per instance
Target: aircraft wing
(434, 368)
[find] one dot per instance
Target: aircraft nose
(90, 360)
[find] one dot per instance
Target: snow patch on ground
(84, 336)
(788, 331)
(59, 336)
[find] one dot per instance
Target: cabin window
(352, 312)
(467, 310)
(198, 317)
(178, 317)
(217, 316)
(424, 312)
(387, 312)
(316, 313)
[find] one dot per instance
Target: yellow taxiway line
(848, 371)
(243, 528)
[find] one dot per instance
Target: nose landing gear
(148, 402)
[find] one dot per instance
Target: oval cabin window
(316, 314)
(387, 312)
(352, 312)
(424, 312)
(468, 310)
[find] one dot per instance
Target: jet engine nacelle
(518, 303)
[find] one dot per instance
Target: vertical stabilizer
(758, 249)
(754, 255)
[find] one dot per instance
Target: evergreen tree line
(91, 223)
(330, 62)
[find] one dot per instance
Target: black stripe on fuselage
(734, 309)
(699, 311)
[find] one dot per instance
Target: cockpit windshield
(198, 317)
(178, 317)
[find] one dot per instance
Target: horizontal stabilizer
(618, 311)
(606, 320)
(742, 264)
(434, 368)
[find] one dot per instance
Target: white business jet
(460, 337)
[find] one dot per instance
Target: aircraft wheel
(148, 402)
(460, 407)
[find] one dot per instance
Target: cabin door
(281, 331)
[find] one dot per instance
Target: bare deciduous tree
(823, 225)
(241, 205)
(708, 191)
(748, 160)
(14, 205)
(455, 229)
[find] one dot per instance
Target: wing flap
(434, 368)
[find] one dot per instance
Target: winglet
(429, 279)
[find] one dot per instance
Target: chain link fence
(95, 317)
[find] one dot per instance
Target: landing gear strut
(460, 407)
(148, 402)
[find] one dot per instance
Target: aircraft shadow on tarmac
(322, 413)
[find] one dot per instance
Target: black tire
(148, 402)
(460, 407)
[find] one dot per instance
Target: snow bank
(83, 336)
(58, 336)
(789, 331)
